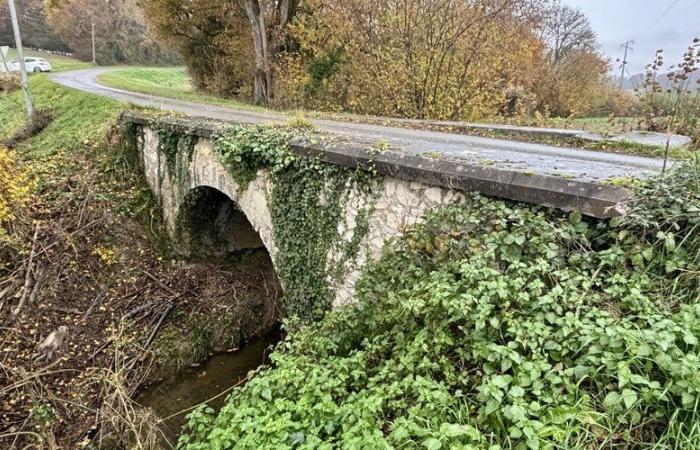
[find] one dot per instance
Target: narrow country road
(578, 164)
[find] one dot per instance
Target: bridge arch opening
(212, 225)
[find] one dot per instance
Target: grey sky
(667, 24)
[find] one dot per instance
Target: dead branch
(94, 303)
(169, 308)
(160, 283)
(38, 281)
(27, 276)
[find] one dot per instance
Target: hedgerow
(502, 326)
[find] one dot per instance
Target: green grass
(59, 63)
(170, 82)
(78, 117)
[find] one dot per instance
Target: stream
(197, 385)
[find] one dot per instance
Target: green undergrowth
(495, 325)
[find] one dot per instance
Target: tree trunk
(262, 87)
(267, 21)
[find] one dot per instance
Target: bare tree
(567, 29)
(267, 21)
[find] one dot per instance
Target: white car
(33, 65)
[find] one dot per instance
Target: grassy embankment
(82, 247)
(173, 82)
(170, 82)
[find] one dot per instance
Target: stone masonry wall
(398, 203)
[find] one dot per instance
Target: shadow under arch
(211, 225)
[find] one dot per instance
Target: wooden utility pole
(22, 67)
(94, 56)
(627, 48)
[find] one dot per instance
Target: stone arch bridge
(237, 216)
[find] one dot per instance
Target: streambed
(210, 383)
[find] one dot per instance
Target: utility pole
(94, 57)
(22, 67)
(4, 60)
(627, 48)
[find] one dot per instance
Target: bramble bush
(502, 326)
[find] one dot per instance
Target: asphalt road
(578, 164)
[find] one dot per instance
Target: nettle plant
(502, 326)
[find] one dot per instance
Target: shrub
(8, 83)
(497, 324)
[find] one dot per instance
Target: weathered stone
(410, 186)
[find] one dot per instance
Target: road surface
(577, 164)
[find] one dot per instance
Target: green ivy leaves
(307, 203)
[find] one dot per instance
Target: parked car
(33, 65)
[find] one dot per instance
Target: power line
(666, 11)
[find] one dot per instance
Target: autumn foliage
(441, 59)
(14, 188)
(121, 32)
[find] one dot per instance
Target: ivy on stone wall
(177, 148)
(307, 204)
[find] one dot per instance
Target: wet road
(577, 164)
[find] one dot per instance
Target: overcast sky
(652, 24)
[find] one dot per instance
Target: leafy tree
(36, 32)
(213, 39)
(574, 76)
(267, 21)
(121, 33)
(419, 58)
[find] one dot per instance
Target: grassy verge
(170, 82)
(78, 235)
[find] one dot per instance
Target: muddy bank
(89, 253)
(237, 302)
(207, 383)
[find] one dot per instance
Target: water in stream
(211, 379)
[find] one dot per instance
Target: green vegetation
(78, 118)
(307, 203)
(75, 192)
(170, 82)
(502, 326)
